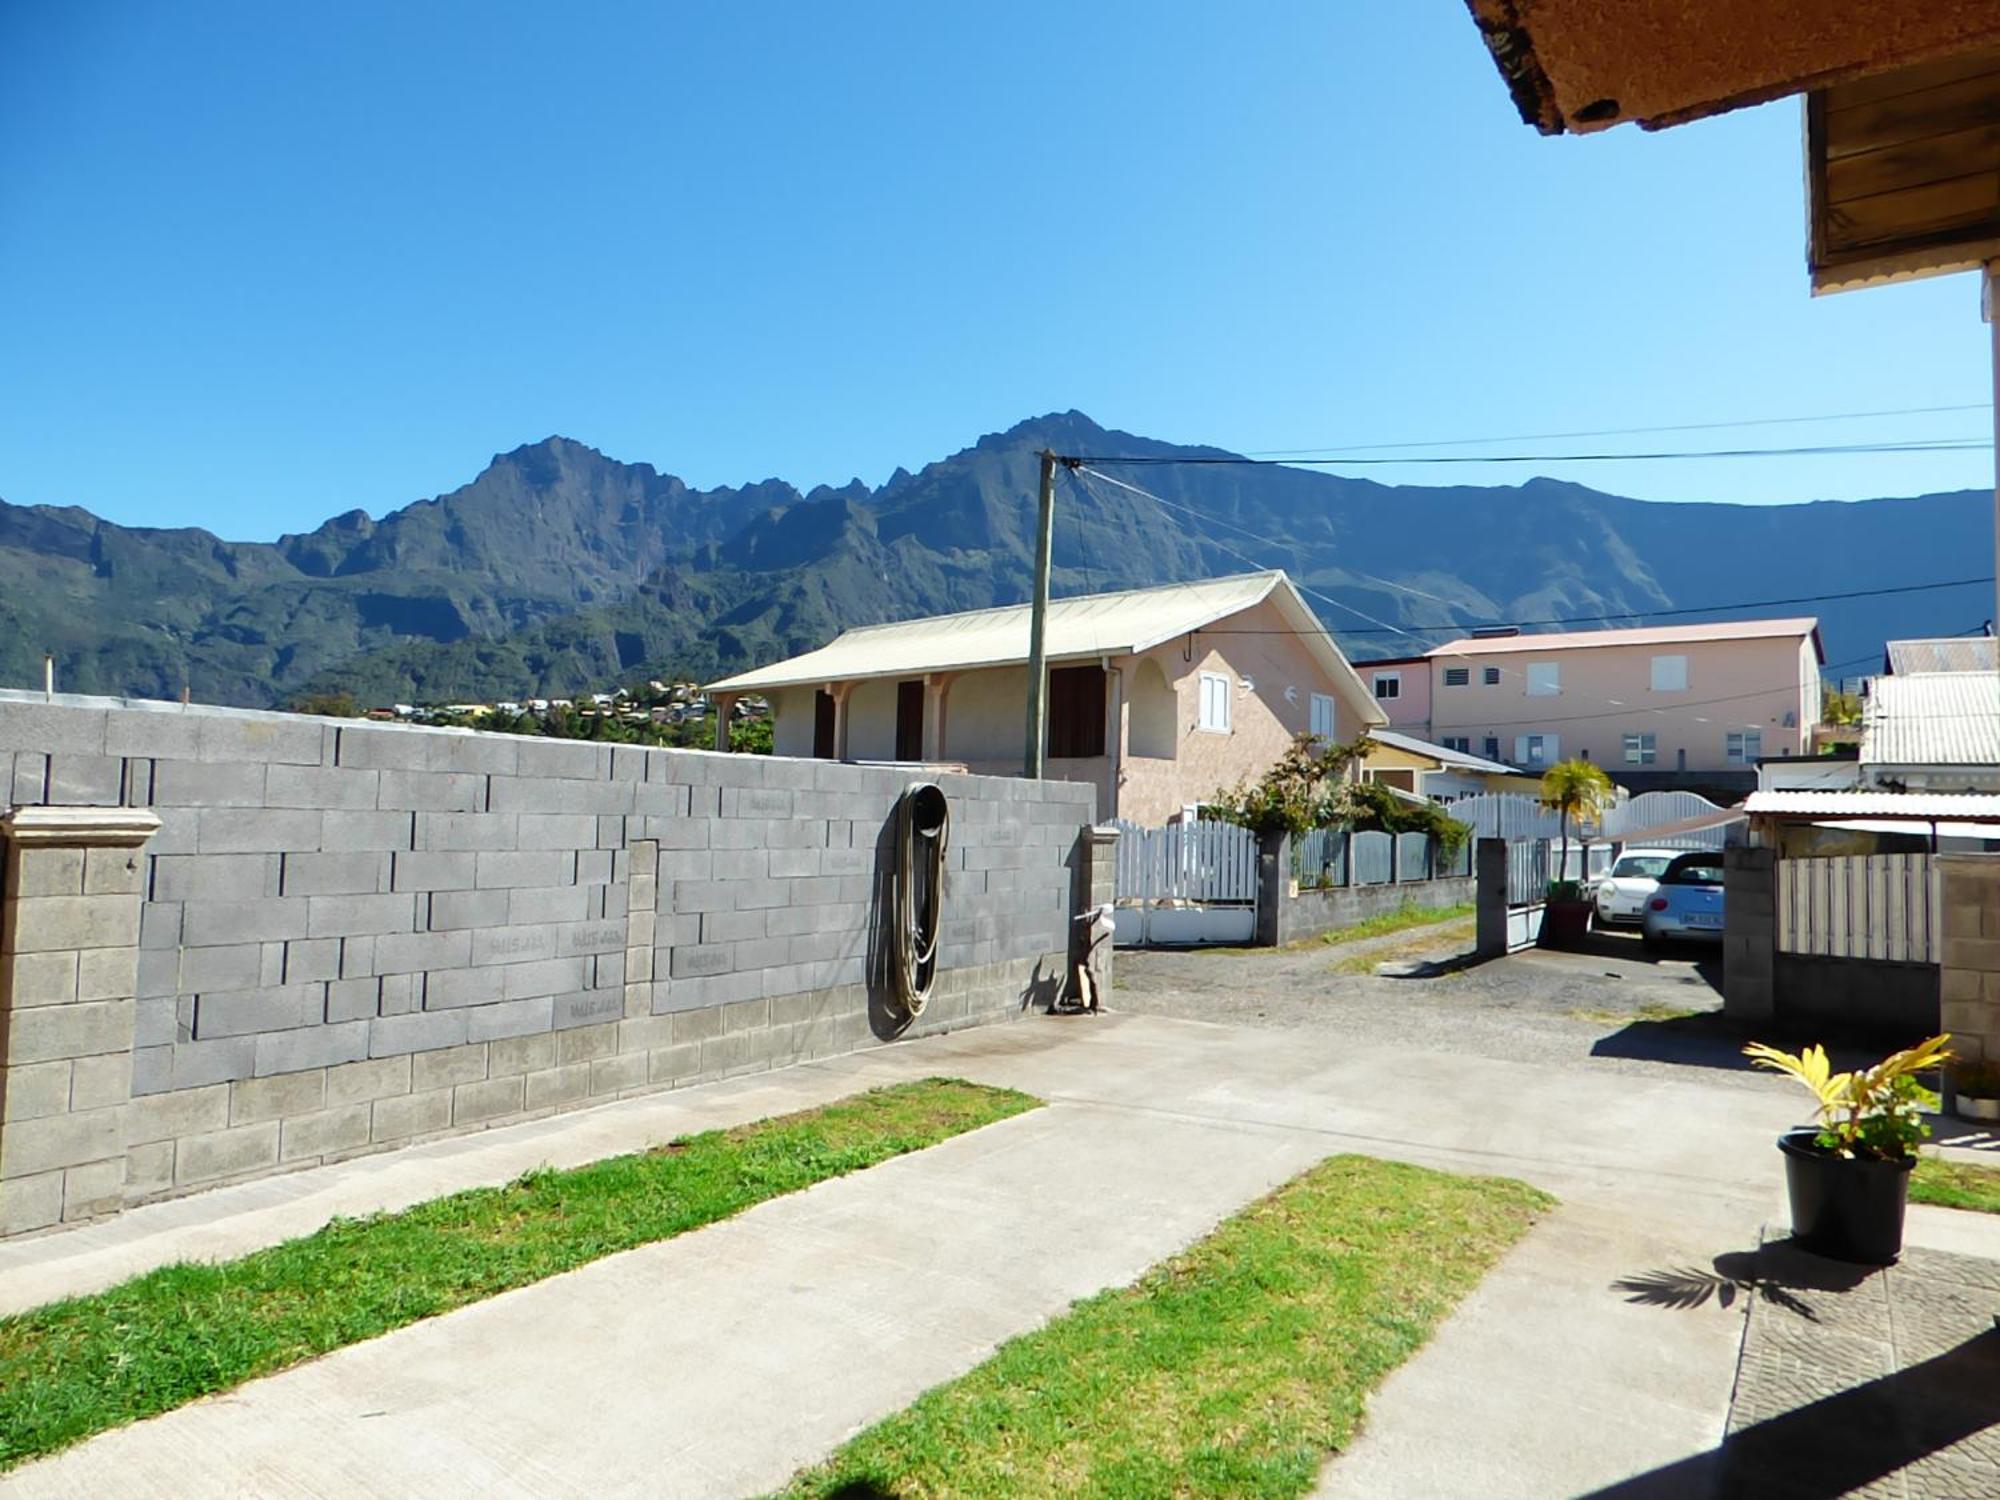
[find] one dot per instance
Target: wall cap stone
(99, 827)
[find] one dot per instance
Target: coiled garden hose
(923, 832)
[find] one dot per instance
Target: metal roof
(1933, 719)
(1951, 653)
(1920, 807)
(1442, 754)
(1643, 635)
(1082, 628)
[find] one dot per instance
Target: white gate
(1877, 906)
(1186, 883)
(1628, 821)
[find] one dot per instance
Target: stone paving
(1863, 1381)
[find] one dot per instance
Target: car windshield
(1641, 867)
(1694, 874)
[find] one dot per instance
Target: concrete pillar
(725, 708)
(1274, 886)
(69, 954)
(843, 693)
(1750, 936)
(1489, 877)
(937, 690)
(1969, 981)
(1096, 885)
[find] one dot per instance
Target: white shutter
(1520, 749)
(1322, 716)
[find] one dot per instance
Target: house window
(1492, 747)
(910, 719)
(1544, 679)
(823, 718)
(1490, 676)
(1640, 749)
(1744, 746)
(1457, 676)
(1670, 674)
(1459, 742)
(1076, 713)
(1388, 685)
(1214, 702)
(1322, 717)
(1535, 749)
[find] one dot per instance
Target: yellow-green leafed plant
(1876, 1113)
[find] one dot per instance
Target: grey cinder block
(452, 910)
(312, 1047)
(338, 916)
(347, 874)
(326, 787)
(419, 1031)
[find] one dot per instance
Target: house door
(910, 719)
(822, 725)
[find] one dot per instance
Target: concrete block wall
(1288, 916)
(1969, 978)
(350, 936)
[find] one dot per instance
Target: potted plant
(1848, 1176)
(1576, 789)
(1977, 1087)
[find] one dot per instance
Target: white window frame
(1393, 681)
(1213, 715)
(1743, 747)
(1322, 713)
(1642, 747)
(1537, 749)
(1674, 679)
(1544, 679)
(1462, 743)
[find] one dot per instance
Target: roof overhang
(1892, 807)
(1584, 65)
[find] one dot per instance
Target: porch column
(937, 692)
(1969, 966)
(840, 692)
(69, 955)
(725, 705)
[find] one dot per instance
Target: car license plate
(1704, 919)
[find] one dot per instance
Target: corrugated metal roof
(1973, 807)
(1643, 635)
(1442, 754)
(1952, 653)
(1085, 627)
(1932, 719)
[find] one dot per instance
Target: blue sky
(260, 263)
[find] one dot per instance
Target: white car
(1623, 891)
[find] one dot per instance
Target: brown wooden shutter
(822, 725)
(1076, 712)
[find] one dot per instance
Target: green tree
(329, 705)
(750, 736)
(1578, 790)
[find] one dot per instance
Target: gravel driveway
(1612, 1006)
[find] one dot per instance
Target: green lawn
(1954, 1185)
(1400, 920)
(159, 1340)
(1233, 1369)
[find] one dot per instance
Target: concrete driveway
(718, 1362)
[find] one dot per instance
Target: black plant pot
(1565, 923)
(1842, 1207)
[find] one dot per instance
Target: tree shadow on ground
(1779, 1275)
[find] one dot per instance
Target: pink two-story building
(1658, 706)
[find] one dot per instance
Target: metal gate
(1186, 883)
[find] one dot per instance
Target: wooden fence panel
(1879, 907)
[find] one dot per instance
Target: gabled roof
(1951, 653)
(1643, 635)
(1458, 760)
(1933, 719)
(1083, 628)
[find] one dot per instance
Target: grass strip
(1951, 1184)
(160, 1340)
(1232, 1369)
(1402, 919)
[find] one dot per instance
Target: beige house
(1160, 697)
(1659, 707)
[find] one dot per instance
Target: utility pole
(1038, 623)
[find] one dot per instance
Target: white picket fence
(1186, 883)
(1875, 906)
(1515, 816)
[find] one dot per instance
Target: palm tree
(1576, 789)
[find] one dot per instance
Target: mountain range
(559, 569)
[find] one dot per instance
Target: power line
(1547, 437)
(1951, 445)
(1627, 614)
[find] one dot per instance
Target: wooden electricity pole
(1038, 623)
